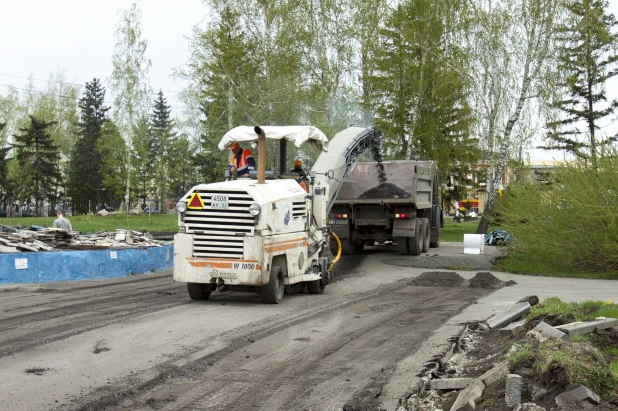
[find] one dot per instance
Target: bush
(569, 221)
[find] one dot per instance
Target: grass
(586, 310)
(520, 263)
(158, 222)
(518, 353)
(454, 232)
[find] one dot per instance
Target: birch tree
(129, 81)
(515, 72)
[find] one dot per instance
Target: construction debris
(54, 239)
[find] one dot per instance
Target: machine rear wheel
(426, 234)
(272, 293)
(402, 245)
(416, 243)
(199, 291)
(315, 287)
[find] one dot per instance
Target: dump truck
(406, 211)
(267, 233)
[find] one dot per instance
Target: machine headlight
(181, 207)
(255, 209)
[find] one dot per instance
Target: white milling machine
(266, 235)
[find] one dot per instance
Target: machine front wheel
(272, 293)
(199, 291)
(315, 287)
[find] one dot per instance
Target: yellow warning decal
(195, 202)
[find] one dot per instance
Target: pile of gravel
(488, 281)
(386, 190)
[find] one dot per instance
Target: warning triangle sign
(195, 202)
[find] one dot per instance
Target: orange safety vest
(242, 162)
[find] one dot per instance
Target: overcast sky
(40, 36)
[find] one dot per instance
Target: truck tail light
(342, 216)
(402, 215)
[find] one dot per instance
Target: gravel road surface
(141, 343)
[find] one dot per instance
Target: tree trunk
(504, 147)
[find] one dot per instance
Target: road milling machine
(267, 233)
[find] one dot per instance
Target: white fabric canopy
(296, 134)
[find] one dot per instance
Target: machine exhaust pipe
(261, 146)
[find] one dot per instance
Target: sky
(40, 36)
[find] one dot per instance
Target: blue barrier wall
(83, 265)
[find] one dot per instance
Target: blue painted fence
(83, 265)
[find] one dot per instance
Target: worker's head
(235, 148)
(59, 212)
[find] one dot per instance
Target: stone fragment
(512, 395)
(451, 383)
(529, 406)
(494, 375)
(543, 331)
(577, 393)
(507, 317)
(585, 327)
(532, 300)
(467, 397)
(513, 328)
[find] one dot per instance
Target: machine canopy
(296, 134)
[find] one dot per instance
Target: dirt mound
(386, 190)
(487, 280)
(438, 279)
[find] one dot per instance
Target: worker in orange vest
(242, 161)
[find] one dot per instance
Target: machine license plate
(219, 201)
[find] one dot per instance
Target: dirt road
(140, 343)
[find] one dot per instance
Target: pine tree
(141, 161)
(38, 158)
(85, 167)
(162, 140)
(588, 57)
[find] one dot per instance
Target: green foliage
(38, 158)
(163, 141)
(586, 310)
(112, 150)
(588, 58)
(81, 223)
(581, 363)
(455, 231)
(519, 353)
(569, 221)
(85, 167)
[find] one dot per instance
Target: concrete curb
(82, 264)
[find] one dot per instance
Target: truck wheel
(333, 247)
(426, 234)
(315, 287)
(199, 291)
(370, 242)
(359, 247)
(402, 245)
(272, 293)
(435, 244)
(416, 243)
(346, 246)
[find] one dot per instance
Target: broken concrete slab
(531, 299)
(468, 396)
(513, 328)
(496, 374)
(512, 395)
(507, 317)
(577, 393)
(544, 331)
(585, 327)
(451, 383)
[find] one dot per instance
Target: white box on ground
(113, 254)
(474, 243)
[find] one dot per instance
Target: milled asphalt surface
(93, 340)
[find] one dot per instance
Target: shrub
(568, 221)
